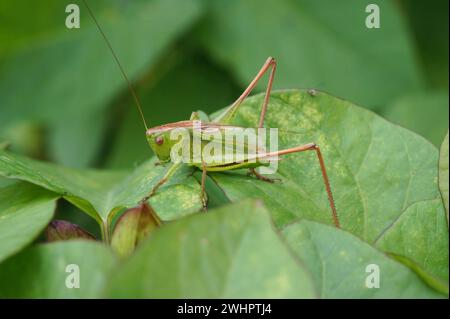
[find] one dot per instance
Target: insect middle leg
(203, 192)
(254, 172)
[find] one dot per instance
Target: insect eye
(159, 140)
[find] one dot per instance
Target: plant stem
(105, 232)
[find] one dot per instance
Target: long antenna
(133, 92)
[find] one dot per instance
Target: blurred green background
(63, 99)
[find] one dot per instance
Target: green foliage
(390, 202)
(101, 194)
(24, 211)
(231, 252)
(80, 120)
(41, 271)
(377, 169)
(384, 177)
(326, 44)
(63, 100)
(187, 61)
(338, 261)
(425, 246)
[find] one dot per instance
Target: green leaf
(231, 252)
(320, 44)
(425, 246)
(338, 263)
(25, 210)
(42, 271)
(102, 194)
(424, 113)
(443, 172)
(378, 173)
(77, 75)
(5, 182)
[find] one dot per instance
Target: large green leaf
(377, 169)
(42, 271)
(25, 210)
(76, 74)
(338, 263)
(424, 113)
(379, 172)
(443, 172)
(103, 193)
(320, 44)
(231, 252)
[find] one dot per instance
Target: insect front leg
(170, 172)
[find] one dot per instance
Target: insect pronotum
(161, 143)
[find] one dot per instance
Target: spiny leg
(326, 181)
(163, 180)
(228, 115)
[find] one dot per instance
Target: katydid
(160, 141)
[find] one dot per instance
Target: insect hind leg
(326, 181)
(227, 116)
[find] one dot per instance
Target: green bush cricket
(160, 140)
